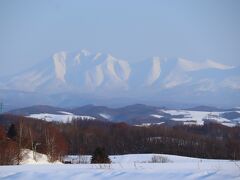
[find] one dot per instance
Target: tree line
(78, 137)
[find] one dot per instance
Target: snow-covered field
(62, 117)
(198, 117)
(135, 166)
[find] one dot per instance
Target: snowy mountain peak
(154, 79)
(86, 52)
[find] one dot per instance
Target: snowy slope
(129, 167)
(143, 158)
(64, 117)
(40, 158)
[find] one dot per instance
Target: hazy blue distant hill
(137, 114)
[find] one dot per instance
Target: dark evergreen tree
(100, 156)
(12, 132)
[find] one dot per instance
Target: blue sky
(31, 30)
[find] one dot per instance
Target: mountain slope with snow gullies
(67, 77)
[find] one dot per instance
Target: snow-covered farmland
(198, 117)
(61, 117)
(135, 166)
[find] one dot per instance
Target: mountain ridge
(138, 114)
(99, 75)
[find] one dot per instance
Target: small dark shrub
(100, 157)
(12, 132)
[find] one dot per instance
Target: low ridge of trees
(83, 137)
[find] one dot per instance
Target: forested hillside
(82, 137)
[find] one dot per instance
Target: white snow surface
(156, 116)
(149, 124)
(106, 116)
(188, 65)
(60, 65)
(133, 166)
(63, 117)
(155, 72)
(175, 79)
(40, 158)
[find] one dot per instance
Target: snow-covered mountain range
(85, 77)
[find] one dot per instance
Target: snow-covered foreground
(129, 167)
